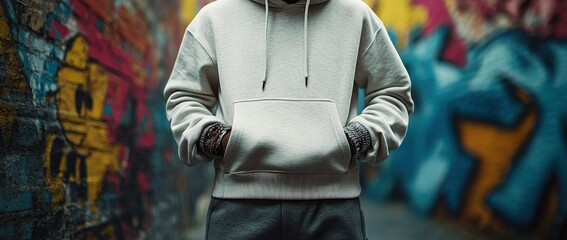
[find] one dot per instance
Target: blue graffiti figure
(421, 166)
(445, 170)
(539, 67)
(429, 76)
(432, 165)
(497, 68)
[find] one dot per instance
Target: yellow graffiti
(495, 149)
(188, 10)
(98, 164)
(55, 183)
(72, 111)
(14, 78)
(399, 16)
(13, 81)
(82, 90)
(98, 84)
(7, 118)
(4, 28)
(107, 232)
(77, 55)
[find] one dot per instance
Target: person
(269, 90)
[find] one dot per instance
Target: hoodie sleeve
(190, 97)
(388, 102)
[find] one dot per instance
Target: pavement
(394, 221)
(384, 220)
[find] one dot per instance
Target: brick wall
(85, 149)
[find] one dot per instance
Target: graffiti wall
(487, 144)
(85, 149)
(86, 153)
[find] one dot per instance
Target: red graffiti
(58, 31)
(455, 49)
(543, 17)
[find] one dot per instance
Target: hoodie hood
(280, 4)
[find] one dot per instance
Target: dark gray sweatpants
(328, 219)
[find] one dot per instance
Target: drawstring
(306, 66)
(265, 47)
(305, 52)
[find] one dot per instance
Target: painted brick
(77, 126)
(16, 231)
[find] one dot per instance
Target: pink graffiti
(542, 17)
(58, 30)
(143, 182)
(117, 100)
(124, 82)
(107, 53)
(455, 49)
(147, 138)
(114, 180)
(558, 26)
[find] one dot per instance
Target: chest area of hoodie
(245, 52)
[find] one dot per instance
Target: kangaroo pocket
(286, 135)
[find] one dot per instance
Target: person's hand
(224, 141)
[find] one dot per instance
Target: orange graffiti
(133, 28)
(108, 232)
(495, 149)
(549, 210)
(7, 117)
(103, 8)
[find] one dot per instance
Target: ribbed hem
(290, 186)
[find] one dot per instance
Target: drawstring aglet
(306, 80)
(263, 85)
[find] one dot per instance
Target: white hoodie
(286, 80)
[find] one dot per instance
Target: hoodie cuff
(210, 141)
(358, 139)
